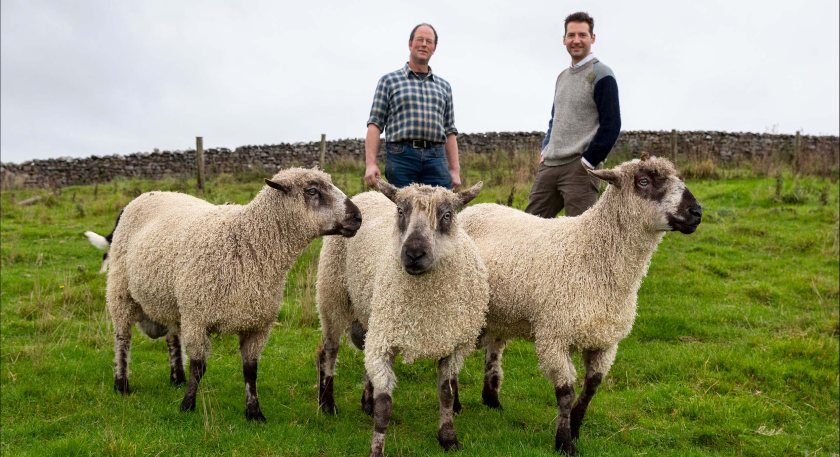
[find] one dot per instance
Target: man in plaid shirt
(414, 108)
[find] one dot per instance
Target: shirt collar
(584, 61)
(407, 71)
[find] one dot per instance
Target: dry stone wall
(817, 155)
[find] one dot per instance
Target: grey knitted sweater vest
(575, 113)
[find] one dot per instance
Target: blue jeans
(405, 165)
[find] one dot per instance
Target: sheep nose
(415, 254)
(696, 211)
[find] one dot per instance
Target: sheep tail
(103, 243)
(99, 241)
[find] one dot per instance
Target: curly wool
(220, 268)
(570, 281)
(424, 316)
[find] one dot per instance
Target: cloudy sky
(91, 77)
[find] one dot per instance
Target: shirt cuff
(586, 163)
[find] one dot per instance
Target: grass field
(734, 350)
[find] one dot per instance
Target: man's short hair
(580, 16)
(411, 37)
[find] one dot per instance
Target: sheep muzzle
(416, 256)
(351, 222)
(688, 215)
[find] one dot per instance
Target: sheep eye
(447, 216)
(643, 182)
(311, 191)
(400, 212)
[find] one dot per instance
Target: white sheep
(181, 266)
(414, 282)
(571, 283)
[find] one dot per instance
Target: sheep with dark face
(410, 282)
(182, 267)
(570, 283)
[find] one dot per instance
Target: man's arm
(550, 125)
(547, 134)
(609, 121)
(451, 148)
(371, 150)
(375, 125)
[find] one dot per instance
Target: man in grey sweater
(584, 126)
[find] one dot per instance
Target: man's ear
(609, 176)
(387, 189)
(285, 188)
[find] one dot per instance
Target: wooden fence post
(674, 145)
(323, 150)
(199, 161)
(797, 152)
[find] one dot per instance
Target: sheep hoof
(178, 379)
(456, 406)
(254, 414)
(491, 402)
(329, 408)
(567, 448)
(448, 441)
(121, 386)
(188, 404)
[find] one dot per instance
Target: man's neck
(576, 63)
(418, 67)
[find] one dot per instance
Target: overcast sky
(89, 77)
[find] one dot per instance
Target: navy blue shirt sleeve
(609, 120)
(550, 124)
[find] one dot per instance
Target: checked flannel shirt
(411, 107)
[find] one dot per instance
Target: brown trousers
(564, 186)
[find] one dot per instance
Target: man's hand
(371, 175)
(456, 178)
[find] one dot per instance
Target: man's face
(578, 40)
(422, 46)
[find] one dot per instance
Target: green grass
(734, 350)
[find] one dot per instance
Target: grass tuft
(735, 348)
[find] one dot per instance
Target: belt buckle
(418, 144)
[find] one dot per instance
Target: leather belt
(420, 144)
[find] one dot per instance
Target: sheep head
(426, 222)
(332, 211)
(652, 184)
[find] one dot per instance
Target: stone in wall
(817, 155)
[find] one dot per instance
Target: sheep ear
(609, 176)
(466, 196)
(387, 189)
(281, 187)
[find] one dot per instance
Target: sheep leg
(197, 369)
(251, 345)
(367, 397)
(197, 344)
(327, 355)
(597, 363)
(563, 442)
(176, 364)
(456, 404)
(447, 380)
(556, 363)
(122, 350)
(124, 312)
(493, 373)
(381, 373)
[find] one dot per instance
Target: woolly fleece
(424, 316)
(183, 261)
(571, 282)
